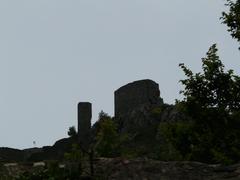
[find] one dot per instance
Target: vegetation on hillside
(212, 101)
(210, 133)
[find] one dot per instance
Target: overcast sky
(55, 53)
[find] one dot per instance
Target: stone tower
(136, 94)
(84, 123)
(133, 104)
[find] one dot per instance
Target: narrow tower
(84, 123)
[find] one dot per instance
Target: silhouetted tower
(84, 123)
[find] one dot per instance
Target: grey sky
(54, 53)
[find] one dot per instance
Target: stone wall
(84, 123)
(135, 94)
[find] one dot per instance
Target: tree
(214, 88)
(72, 131)
(232, 18)
(212, 103)
(107, 138)
(102, 115)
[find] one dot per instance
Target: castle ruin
(84, 123)
(137, 97)
(134, 95)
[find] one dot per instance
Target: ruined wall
(84, 123)
(132, 95)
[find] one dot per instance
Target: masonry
(135, 94)
(84, 123)
(137, 97)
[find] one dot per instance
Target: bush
(107, 139)
(175, 140)
(72, 131)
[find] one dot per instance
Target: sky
(56, 53)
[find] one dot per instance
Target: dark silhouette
(232, 19)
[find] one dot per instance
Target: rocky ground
(143, 169)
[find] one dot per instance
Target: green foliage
(72, 131)
(102, 115)
(156, 112)
(212, 101)
(107, 139)
(175, 140)
(52, 172)
(232, 18)
(187, 141)
(73, 168)
(214, 88)
(220, 157)
(75, 155)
